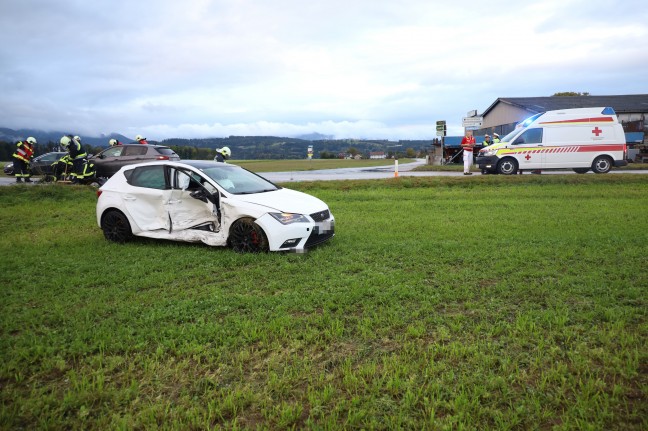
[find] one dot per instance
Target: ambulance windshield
(520, 126)
(510, 136)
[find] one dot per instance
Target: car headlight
(289, 218)
(487, 153)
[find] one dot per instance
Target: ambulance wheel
(116, 227)
(602, 165)
(581, 170)
(507, 166)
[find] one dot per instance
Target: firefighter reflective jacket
(24, 151)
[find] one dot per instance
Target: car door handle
(175, 201)
(130, 198)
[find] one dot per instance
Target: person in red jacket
(21, 159)
(467, 145)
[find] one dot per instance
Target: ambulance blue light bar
(608, 111)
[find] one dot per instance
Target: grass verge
(442, 303)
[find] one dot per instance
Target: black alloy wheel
(247, 237)
(116, 227)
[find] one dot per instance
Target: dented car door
(191, 203)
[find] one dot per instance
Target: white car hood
(285, 200)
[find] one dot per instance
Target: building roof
(629, 103)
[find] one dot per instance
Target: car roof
(197, 164)
(136, 144)
(202, 164)
(52, 152)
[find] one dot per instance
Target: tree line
(259, 148)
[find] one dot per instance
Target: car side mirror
(199, 194)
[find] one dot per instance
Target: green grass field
(489, 302)
(310, 165)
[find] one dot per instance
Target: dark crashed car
(40, 165)
(112, 159)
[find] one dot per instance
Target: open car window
(191, 181)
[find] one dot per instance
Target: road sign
(472, 121)
(441, 128)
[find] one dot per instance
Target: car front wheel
(116, 227)
(247, 237)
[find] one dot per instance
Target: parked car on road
(40, 165)
(110, 160)
(215, 203)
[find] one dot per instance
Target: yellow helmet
(31, 140)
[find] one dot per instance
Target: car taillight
(99, 192)
(162, 157)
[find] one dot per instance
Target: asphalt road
(373, 173)
(404, 170)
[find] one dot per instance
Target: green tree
(570, 93)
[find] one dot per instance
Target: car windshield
(237, 180)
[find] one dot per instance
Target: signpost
(441, 128)
(472, 123)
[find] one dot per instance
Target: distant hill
(43, 137)
(315, 137)
(243, 147)
(274, 147)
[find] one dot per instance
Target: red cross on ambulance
(597, 131)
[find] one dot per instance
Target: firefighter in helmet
(22, 158)
(222, 154)
(78, 156)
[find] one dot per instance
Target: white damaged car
(218, 204)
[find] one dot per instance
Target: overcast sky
(347, 68)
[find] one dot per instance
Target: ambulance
(581, 139)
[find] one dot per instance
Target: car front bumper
(487, 163)
(296, 236)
